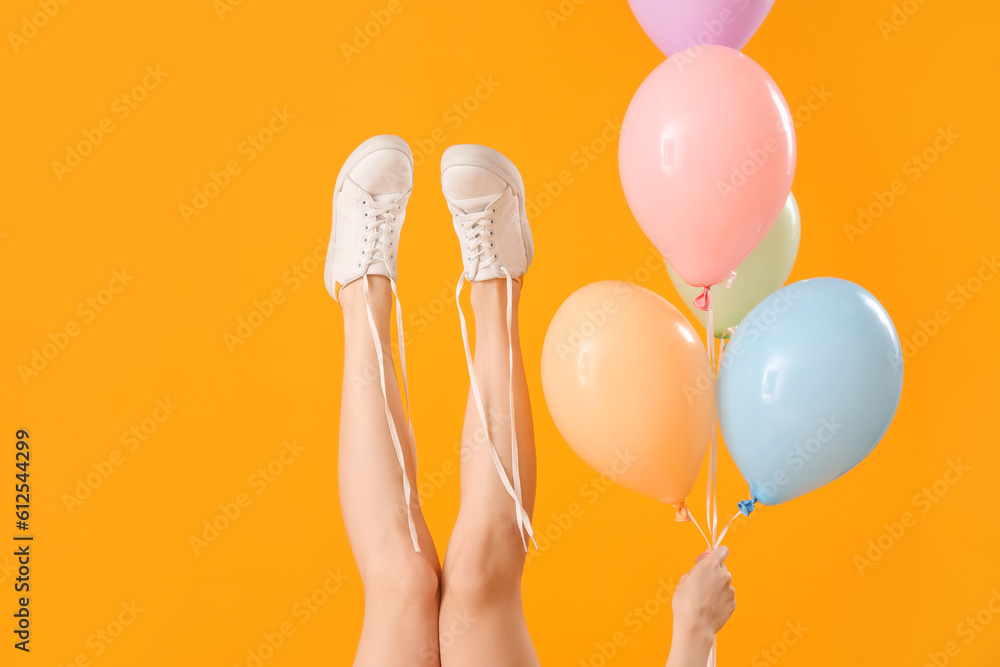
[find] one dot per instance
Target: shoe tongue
(378, 269)
(473, 204)
(385, 199)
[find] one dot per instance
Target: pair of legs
(418, 613)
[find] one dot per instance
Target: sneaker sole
(495, 161)
(366, 148)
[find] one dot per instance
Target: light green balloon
(762, 272)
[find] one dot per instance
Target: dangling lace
(379, 247)
(478, 230)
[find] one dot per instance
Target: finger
(719, 555)
(702, 556)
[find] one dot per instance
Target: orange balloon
(629, 386)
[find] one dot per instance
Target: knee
(483, 568)
(408, 581)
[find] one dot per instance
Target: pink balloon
(675, 25)
(706, 159)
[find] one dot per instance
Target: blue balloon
(808, 385)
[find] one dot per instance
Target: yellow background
(558, 85)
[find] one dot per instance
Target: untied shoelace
(478, 230)
(379, 248)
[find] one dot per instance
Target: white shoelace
(379, 248)
(479, 229)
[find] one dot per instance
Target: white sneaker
(485, 195)
(369, 206)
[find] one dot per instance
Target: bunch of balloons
(808, 376)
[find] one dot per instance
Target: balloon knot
(703, 300)
(682, 513)
(746, 506)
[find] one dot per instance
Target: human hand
(705, 598)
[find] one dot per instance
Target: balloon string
(688, 517)
(711, 497)
(718, 540)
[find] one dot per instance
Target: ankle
(352, 297)
(489, 298)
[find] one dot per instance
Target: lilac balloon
(675, 25)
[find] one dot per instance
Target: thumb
(719, 554)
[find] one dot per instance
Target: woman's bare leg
(482, 621)
(401, 586)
